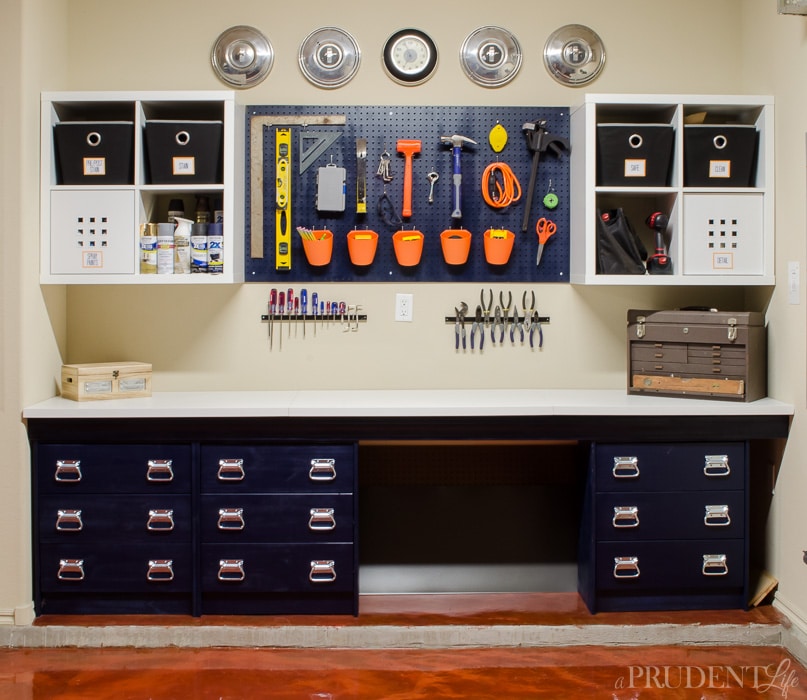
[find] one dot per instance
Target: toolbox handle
(69, 520)
(160, 470)
(322, 571)
(626, 516)
(71, 570)
(716, 516)
(160, 520)
(626, 567)
(231, 519)
(231, 570)
(625, 468)
(321, 519)
(160, 570)
(68, 470)
(715, 565)
(716, 465)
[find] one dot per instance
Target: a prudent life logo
(771, 680)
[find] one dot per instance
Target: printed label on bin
(720, 168)
(635, 167)
(95, 166)
(184, 165)
(723, 261)
(92, 258)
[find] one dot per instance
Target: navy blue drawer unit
(278, 529)
(665, 527)
(114, 529)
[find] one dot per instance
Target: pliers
(516, 326)
(497, 323)
(528, 313)
(536, 326)
(486, 308)
(505, 310)
(459, 325)
(477, 326)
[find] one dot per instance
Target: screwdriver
(304, 306)
(296, 314)
(322, 313)
(289, 306)
(281, 304)
(272, 311)
(314, 300)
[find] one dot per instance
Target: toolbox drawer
(272, 468)
(159, 567)
(670, 467)
(277, 568)
(682, 566)
(288, 518)
(113, 468)
(75, 517)
(682, 516)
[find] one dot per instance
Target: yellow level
(283, 199)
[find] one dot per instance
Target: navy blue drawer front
(114, 468)
(101, 568)
(673, 467)
(639, 567)
(277, 568)
(272, 518)
(74, 517)
(683, 515)
(269, 468)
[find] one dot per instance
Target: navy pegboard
(382, 127)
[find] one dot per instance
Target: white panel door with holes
(723, 234)
(92, 232)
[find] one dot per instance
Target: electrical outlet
(404, 307)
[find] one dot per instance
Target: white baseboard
(794, 634)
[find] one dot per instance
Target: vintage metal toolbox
(106, 380)
(698, 353)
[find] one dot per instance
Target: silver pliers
(516, 326)
(498, 322)
(459, 325)
(478, 326)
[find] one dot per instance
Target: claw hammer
(457, 143)
(539, 140)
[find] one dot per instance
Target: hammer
(539, 140)
(456, 142)
(409, 147)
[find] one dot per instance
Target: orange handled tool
(409, 147)
(545, 229)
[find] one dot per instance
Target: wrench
(432, 177)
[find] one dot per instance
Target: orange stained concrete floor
(617, 673)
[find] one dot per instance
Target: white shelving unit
(90, 232)
(716, 234)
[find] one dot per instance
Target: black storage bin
(719, 155)
(637, 155)
(183, 152)
(94, 153)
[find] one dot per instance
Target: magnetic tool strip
(327, 135)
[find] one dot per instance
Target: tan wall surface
(212, 338)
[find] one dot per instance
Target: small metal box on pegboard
(330, 135)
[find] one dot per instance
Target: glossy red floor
(617, 673)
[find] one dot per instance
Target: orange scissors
(544, 228)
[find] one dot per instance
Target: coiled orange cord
(500, 186)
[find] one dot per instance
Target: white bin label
(635, 167)
(720, 168)
(95, 166)
(185, 165)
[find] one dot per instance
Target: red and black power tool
(659, 263)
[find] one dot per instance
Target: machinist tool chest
(698, 353)
(665, 527)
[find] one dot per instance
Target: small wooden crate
(698, 353)
(106, 380)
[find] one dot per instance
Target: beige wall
(211, 338)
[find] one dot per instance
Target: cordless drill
(659, 263)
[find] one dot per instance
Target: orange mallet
(409, 147)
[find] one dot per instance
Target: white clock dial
(410, 56)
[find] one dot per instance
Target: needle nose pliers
(478, 326)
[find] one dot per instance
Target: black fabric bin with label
(183, 152)
(637, 155)
(719, 155)
(94, 153)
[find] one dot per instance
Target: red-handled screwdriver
(281, 305)
(289, 306)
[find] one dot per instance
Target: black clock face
(410, 56)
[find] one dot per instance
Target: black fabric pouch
(619, 250)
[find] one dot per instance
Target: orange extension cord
(500, 186)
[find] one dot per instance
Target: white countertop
(395, 403)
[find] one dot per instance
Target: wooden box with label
(698, 354)
(106, 380)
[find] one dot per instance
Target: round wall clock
(242, 56)
(574, 55)
(329, 57)
(410, 56)
(490, 56)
